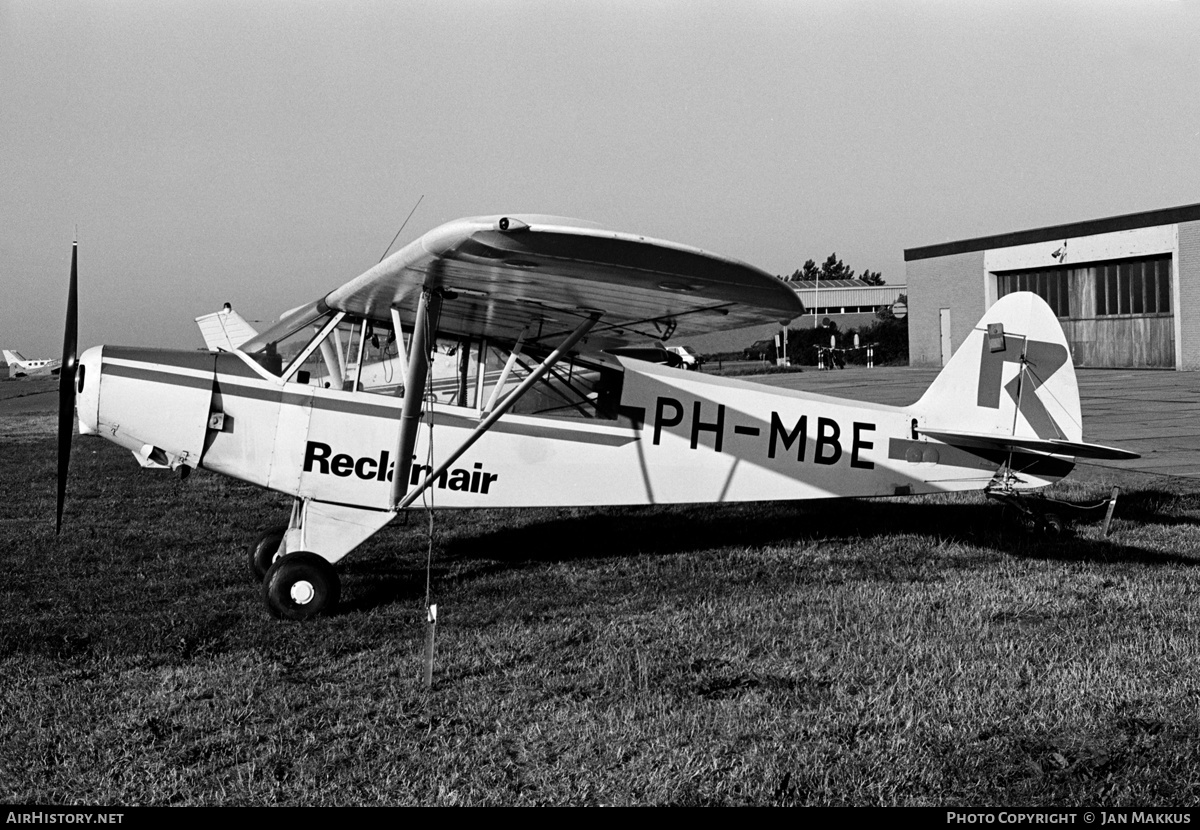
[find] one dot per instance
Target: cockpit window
(318, 347)
(575, 387)
(289, 323)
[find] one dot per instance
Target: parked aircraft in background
(494, 362)
(19, 367)
(224, 330)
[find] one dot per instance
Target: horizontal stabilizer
(1052, 446)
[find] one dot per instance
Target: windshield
(289, 323)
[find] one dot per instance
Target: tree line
(831, 269)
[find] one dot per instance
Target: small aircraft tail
(1011, 386)
(12, 358)
(224, 330)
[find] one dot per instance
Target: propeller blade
(66, 386)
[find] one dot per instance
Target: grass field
(906, 652)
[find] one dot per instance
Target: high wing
(503, 275)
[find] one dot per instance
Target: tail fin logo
(1039, 361)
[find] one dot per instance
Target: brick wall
(955, 282)
(1188, 272)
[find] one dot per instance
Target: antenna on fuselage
(402, 224)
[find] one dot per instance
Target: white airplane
(529, 401)
(19, 367)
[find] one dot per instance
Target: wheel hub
(303, 592)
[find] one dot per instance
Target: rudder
(1011, 378)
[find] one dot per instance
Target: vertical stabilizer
(1011, 378)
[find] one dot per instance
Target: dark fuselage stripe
(282, 395)
(156, 376)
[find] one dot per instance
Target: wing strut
(428, 308)
(508, 367)
(399, 499)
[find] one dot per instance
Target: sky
(264, 153)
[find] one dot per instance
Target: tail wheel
(1053, 526)
(299, 586)
(264, 551)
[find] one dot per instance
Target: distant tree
(834, 269)
(809, 272)
(831, 269)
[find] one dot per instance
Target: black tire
(299, 586)
(1053, 526)
(262, 552)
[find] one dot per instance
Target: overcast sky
(264, 153)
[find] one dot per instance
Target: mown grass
(918, 652)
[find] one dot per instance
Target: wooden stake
(1112, 503)
(432, 627)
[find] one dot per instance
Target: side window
(573, 388)
(374, 347)
(334, 351)
(454, 372)
(376, 350)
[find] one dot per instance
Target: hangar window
(1134, 286)
(1137, 286)
(1048, 283)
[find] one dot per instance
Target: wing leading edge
(502, 275)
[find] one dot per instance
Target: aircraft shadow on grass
(649, 531)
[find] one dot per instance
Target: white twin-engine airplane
(482, 366)
(19, 367)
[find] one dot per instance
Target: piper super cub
(514, 342)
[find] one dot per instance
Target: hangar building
(1126, 289)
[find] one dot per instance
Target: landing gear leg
(1033, 512)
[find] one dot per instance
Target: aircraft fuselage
(680, 437)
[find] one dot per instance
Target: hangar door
(1116, 314)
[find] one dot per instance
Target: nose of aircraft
(87, 390)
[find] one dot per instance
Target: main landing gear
(299, 586)
(265, 551)
(296, 586)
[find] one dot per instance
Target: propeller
(66, 385)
